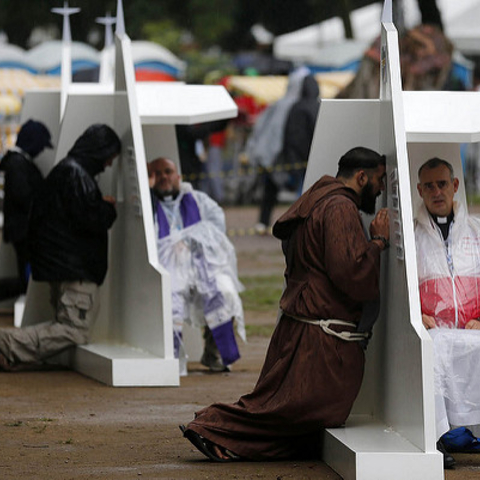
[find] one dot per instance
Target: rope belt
(344, 335)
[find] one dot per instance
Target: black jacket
(69, 222)
(22, 180)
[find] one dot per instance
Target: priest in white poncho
(448, 258)
(193, 247)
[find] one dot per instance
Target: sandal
(207, 447)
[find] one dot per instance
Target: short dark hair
(359, 158)
(434, 163)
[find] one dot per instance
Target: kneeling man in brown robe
(314, 365)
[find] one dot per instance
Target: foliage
(200, 65)
(225, 23)
(165, 33)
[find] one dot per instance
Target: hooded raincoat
(70, 220)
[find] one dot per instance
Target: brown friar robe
(310, 379)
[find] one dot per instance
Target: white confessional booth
(391, 431)
(132, 339)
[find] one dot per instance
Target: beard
(165, 193)
(368, 199)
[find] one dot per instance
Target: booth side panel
(407, 375)
(144, 306)
(342, 125)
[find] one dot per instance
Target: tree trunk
(345, 9)
(399, 16)
(430, 13)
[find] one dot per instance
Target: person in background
(23, 180)
(68, 245)
(265, 143)
(291, 164)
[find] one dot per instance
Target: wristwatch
(386, 243)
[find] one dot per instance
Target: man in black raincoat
(290, 164)
(68, 240)
(22, 181)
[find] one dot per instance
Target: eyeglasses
(440, 185)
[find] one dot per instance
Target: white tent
(46, 57)
(325, 44)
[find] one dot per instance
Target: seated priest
(448, 259)
(193, 247)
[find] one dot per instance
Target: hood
(326, 187)
(310, 89)
(94, 147)
(295, 83)
(33, 138)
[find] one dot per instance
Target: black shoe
(448, 460)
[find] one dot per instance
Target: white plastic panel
(440, 117)
(391, 433)
(166, 103)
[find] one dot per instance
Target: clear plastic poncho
(203, 268)
(449, 272)
(449, 280)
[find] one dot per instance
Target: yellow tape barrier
(247, 232)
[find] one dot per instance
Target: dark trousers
(269, 199)
(11, 287)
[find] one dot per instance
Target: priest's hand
(428, 321)
(473, 325)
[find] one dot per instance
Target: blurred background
(250, 47)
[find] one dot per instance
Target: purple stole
(223, 334)
(188, 210)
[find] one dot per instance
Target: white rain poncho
(457, 378)
(203, 268)
(449, 272)
(449, 280)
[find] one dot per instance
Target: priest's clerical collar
(443, 223)
(168, 197)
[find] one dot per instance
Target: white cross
(108, 21)
(66, 12)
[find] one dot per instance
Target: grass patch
(259, 330)
(261, 293)
(17, 423)
(473, 199)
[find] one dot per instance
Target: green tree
(164, 32)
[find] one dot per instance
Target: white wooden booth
(391, 432)
(132, 340)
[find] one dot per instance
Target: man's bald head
(165, 177)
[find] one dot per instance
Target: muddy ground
(61, 425)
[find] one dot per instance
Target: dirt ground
(63, 426)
